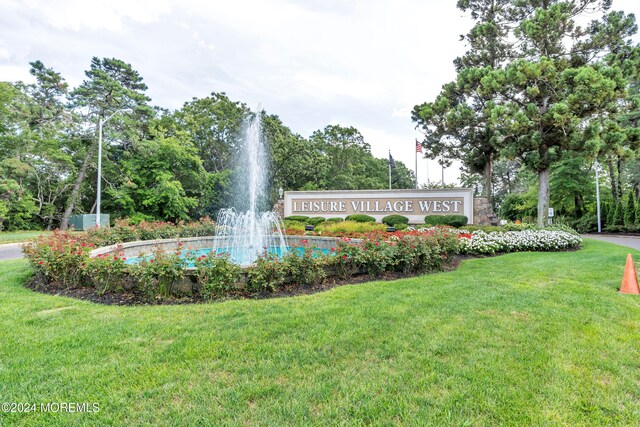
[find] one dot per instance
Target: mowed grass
(19, 236)
(519, 339)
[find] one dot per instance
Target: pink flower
(41, 262)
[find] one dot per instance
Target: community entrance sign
(414, 204)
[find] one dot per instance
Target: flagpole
(416, 153)
(389, 169)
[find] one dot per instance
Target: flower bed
(63, 261)
(483, 243)
(123, 232)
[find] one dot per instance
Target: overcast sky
(361, 63)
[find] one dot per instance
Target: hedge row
(395, 220)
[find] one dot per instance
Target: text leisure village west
(425, 206)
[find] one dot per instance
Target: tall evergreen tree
(112, 85)
(630, 211)
(457, 124)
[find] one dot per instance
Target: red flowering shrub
(217, 275)
(158, 276)
(107, 272)
(346, 258)
(122, 231)
(60, 257)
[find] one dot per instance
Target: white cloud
(77, 15)
(358, 63)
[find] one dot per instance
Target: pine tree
(611, 214)
(630, 212)
(618, 214)
(604, 214)
(638, 214)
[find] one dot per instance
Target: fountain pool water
(248, 235)
(188, 256)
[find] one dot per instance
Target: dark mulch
(89, 293)
(137, 298)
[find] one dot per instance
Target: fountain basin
(142, 248)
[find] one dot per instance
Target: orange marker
(630, 279)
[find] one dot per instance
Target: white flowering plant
(483, 243)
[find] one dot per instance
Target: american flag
(418, 147)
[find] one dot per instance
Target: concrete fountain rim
(133, 249)
(197, 243)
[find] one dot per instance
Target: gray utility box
(87, 221)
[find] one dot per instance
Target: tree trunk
(50, 223)
(619, 180)
(612, 178)
(64, 223)
(543, 197)
(579, 205)
(488, 178)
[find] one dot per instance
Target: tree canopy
(157, 163)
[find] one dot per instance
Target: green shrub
(360, 218)
(107, 272)
(346, 258)
(267, 274)
(511, 226)
(618, 215)
(290, 226)
(518, 206)
(316, 220)
(123, 232)
(419, 254)
(217, 275)
(611, 211)
(60, 257)
(376, 257)
(452, 220)
(395, 220)
(158, 274)
(299, 218)
(348, 228)
(486, 228)
(306, 268)
(630, 211)
(334, 220)
(137, 218)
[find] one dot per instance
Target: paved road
(628, 241)
(11, 251)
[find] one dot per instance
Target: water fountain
(249, 233)
(244, 231)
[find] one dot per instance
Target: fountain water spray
(250, 233)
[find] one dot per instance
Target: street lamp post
(99, 183)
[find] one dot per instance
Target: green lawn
(19, 236)
(520, 339)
